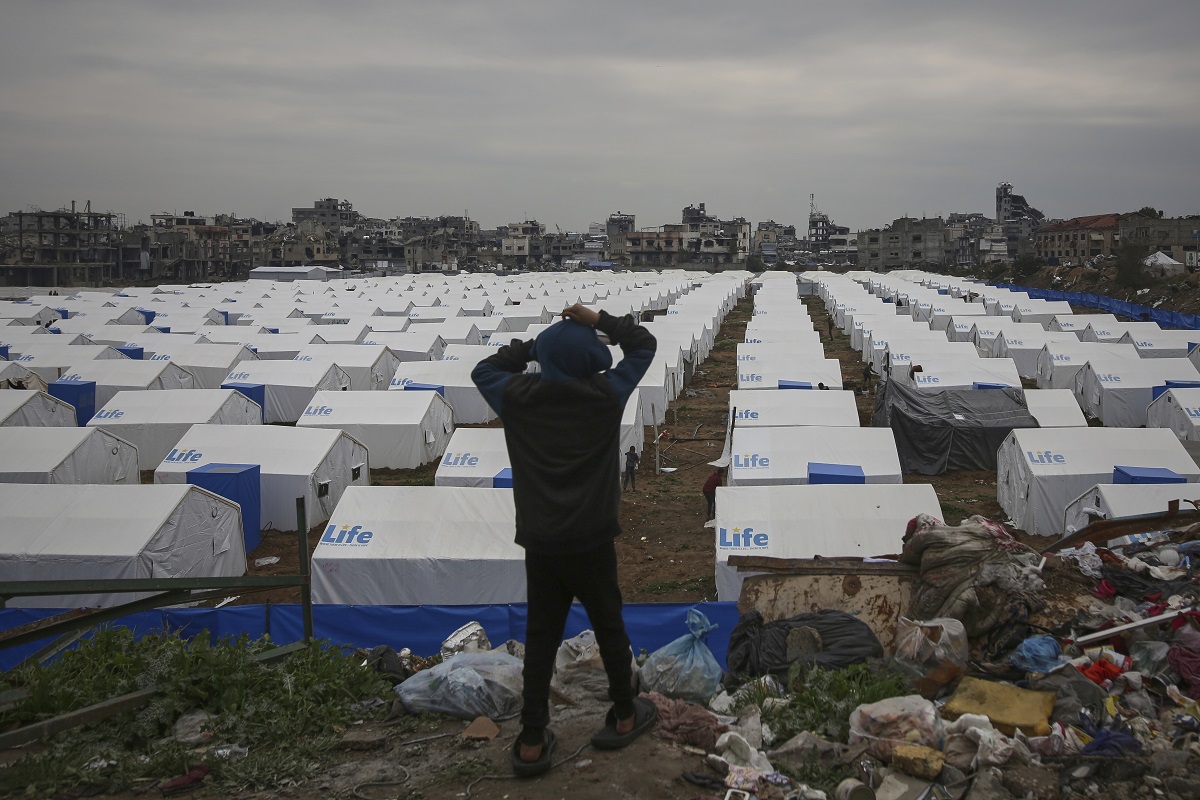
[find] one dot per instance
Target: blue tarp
(1165, 319)
(420, 628)
(239, 483)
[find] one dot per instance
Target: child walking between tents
(562, 428)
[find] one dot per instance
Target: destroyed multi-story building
(1018, 219)
(63, 247)
(698, 239)
(907, 242)
(330, 212)
(1177, 237)
(617, 228)
(1079, 240)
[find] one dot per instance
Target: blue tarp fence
(422, 629)
(1165, 319)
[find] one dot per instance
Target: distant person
(629, 479)
(822, 387)
(868, 377)
(829, 327)
(562, 427)
(710, 490)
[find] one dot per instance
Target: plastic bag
(1037, 654)
(826, 639)
(468, 686)
(684, 669)
(898, 720)
(579, 670)
(937, 648)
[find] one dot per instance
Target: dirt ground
(666, 555)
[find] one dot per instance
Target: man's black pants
(553, 581)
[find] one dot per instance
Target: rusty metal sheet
(878, 600)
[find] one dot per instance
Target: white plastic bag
(468, 686)
(898, 720)
(579, 670)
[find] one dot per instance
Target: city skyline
(565, 114)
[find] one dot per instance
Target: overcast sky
(567, 112)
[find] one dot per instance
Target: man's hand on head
(581, 314)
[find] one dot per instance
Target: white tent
(1076, 323)
(756, 409)
(34, 409)
(1054, 408)
(809, 521)
(813, 454)
(208, 363)
(420, 545)
(451, 379)
(312, 463)
(125, 375)
(475, 457)
(1024, 347)
(1059, 362)
(952, 372)
(155, 422)
(773, 372)
(15, 376)
(289, 386)
(369, 367)
(1102, 330)
(65, 455)
(633, 426)
(770, 350)
(1118, 393)
(52, 361)
(1178, 410)
(1040, 470)
(116, 532)
(420, 344)
(1115, 501)
(1160, 343)
(402, 430)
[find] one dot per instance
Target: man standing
(562, 428)
(710, 490)
(631, 461)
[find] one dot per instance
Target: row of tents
(215, 438)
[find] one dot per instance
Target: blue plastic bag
(685, 669)
(1037, 654)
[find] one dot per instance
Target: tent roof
(40, 449)
(86, 520)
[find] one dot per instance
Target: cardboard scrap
(481, 729)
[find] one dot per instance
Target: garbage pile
(975, 702)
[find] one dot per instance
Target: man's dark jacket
(562, 427)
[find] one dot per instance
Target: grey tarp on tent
(950, 429)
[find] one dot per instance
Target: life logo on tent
(161, 357)
(460, 460)
(742, 539)
(745, 413)
(1108, 377)
(346, 535)
(751, 461)
(186, 456)
(747, 358)
(74, 377)
(1045, 457)
(749, 377)
(1061, 357)
(401, 381)
(1194, 413)
(920, 378)
(115, 413)
(238, 376)
(318, 411)
(302, 358)
(450, 358)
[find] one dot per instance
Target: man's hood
(567, 350)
